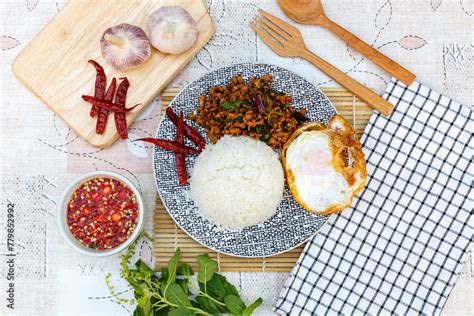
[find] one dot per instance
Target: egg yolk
(317, 162)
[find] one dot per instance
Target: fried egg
(324, 166)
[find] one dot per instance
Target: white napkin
(401, 246)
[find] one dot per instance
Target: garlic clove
(125, 46)
(172, 29)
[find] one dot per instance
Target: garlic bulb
(172, 29)
(125, 46)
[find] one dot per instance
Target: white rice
(237, 182)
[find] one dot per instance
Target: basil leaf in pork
(232, 105)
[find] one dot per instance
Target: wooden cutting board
(54, 64)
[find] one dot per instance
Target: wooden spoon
(311, 12)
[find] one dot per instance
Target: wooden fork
(286, 41)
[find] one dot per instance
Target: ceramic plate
(291, 225)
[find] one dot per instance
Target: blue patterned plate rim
(249, 250)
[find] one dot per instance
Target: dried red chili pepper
(190, 133)
(102, 102)
(259, 102)
(120, 118)
(180, 158)
(103, 113)
(100, 85)
(171, 145)
(108, 105)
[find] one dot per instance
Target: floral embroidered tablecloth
(40, 154)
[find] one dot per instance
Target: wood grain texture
(287, 41)
(381, 60)
(168, 235)
(54, 64)
(374, 100)
(312, 12)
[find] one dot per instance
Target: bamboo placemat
(168, 235)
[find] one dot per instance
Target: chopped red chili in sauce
(102, 213)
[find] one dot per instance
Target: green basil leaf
(185, 269)
(175, 295)
(195, 304)
(222, 309)
(249, 309)
(207, 268)
(230, 288)
(238, 119)
(155, 280)
(154, 300)
(135, 285)
(227, 105)
(180, 311)
(215, 287)
(144, 303)
(234, 304)
(207, 305)
(172, 266)
(238, 103)
(219, 287)
(161, 312)
(232, 105)
(138, 311)
(144, 268)
(164, 275)
(137, 294)
(184, 285)
(148, 309)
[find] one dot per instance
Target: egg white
(317, 183)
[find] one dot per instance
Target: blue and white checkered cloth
(401, 246)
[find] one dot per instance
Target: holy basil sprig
(174, 292)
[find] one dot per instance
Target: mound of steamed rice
(237, 182)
